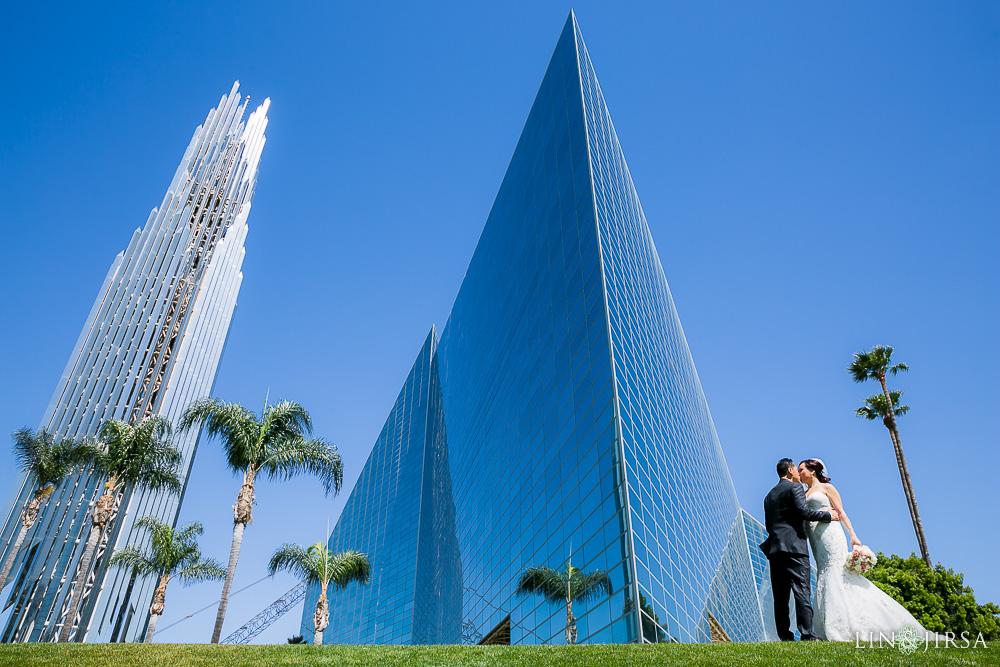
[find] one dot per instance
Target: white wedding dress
(848, 606)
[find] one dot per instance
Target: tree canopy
(875, 406)
(139, 453)
(558, 585)
(172, 553)
(937, 597)
(874, 365)
(276, 443)
(319, 565)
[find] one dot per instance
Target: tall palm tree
(274, 444)
(875, 365)
(319, 565)
(138, 455)
(565, 587)
(171, 554)
(47, 462)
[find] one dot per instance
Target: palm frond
(288, 458)
(110, 431)
(285, 419)
(155, 428)
(159, 532)
(556, 585)
(589, 586)
(866, 412)
(170, 552)
(348, 566)
(48, 460)
(293, 558)
(188, 532)
(874, 364)
(28, 448)
(542, 580)
(161, 479)
(96, 456)
(234, 425)
(875, 406)
(139, 454)
(202, 569)
(132, 558)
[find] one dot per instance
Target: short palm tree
(47, 462)
(171, 554)
(138, 455)
(319, 565)
(565, 587)
(274, 444)
(296, 639)
(875, 365)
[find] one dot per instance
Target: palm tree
(319, 565)
(296, 639)
(564, 587)
(171, 554)
(138, 455)
(875, 365)
(48, 461)
(274, 444)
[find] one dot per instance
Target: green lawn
(122, 655)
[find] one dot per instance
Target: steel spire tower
(151, 344)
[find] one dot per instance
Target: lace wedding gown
(847, 604)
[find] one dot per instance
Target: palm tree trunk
(156, 607)
(234, 556)
(103, 510)
(93, 539)
(570, 623)
(27, 521)
(904, 476)
(242, 515)
(152, 628)
(321, 618)
(12, 556)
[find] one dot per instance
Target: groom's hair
(783, 466)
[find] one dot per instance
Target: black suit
(785, 514)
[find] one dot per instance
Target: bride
(848, 606)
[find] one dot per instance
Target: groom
(785, 514)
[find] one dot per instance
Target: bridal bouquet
(860, 560)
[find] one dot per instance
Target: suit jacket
(785, 514)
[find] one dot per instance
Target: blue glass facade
(385, 511)
(561, 420)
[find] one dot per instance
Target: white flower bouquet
(861, 560)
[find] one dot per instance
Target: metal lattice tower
(264, 619)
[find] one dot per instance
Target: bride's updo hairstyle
(816, 468)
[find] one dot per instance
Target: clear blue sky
(818, 178)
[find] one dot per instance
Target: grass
(139, 655)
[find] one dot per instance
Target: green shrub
(937, 598)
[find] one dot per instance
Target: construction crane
(264, 619)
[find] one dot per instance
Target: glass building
(151, 344)
(558, 419)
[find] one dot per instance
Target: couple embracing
(848, 606)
